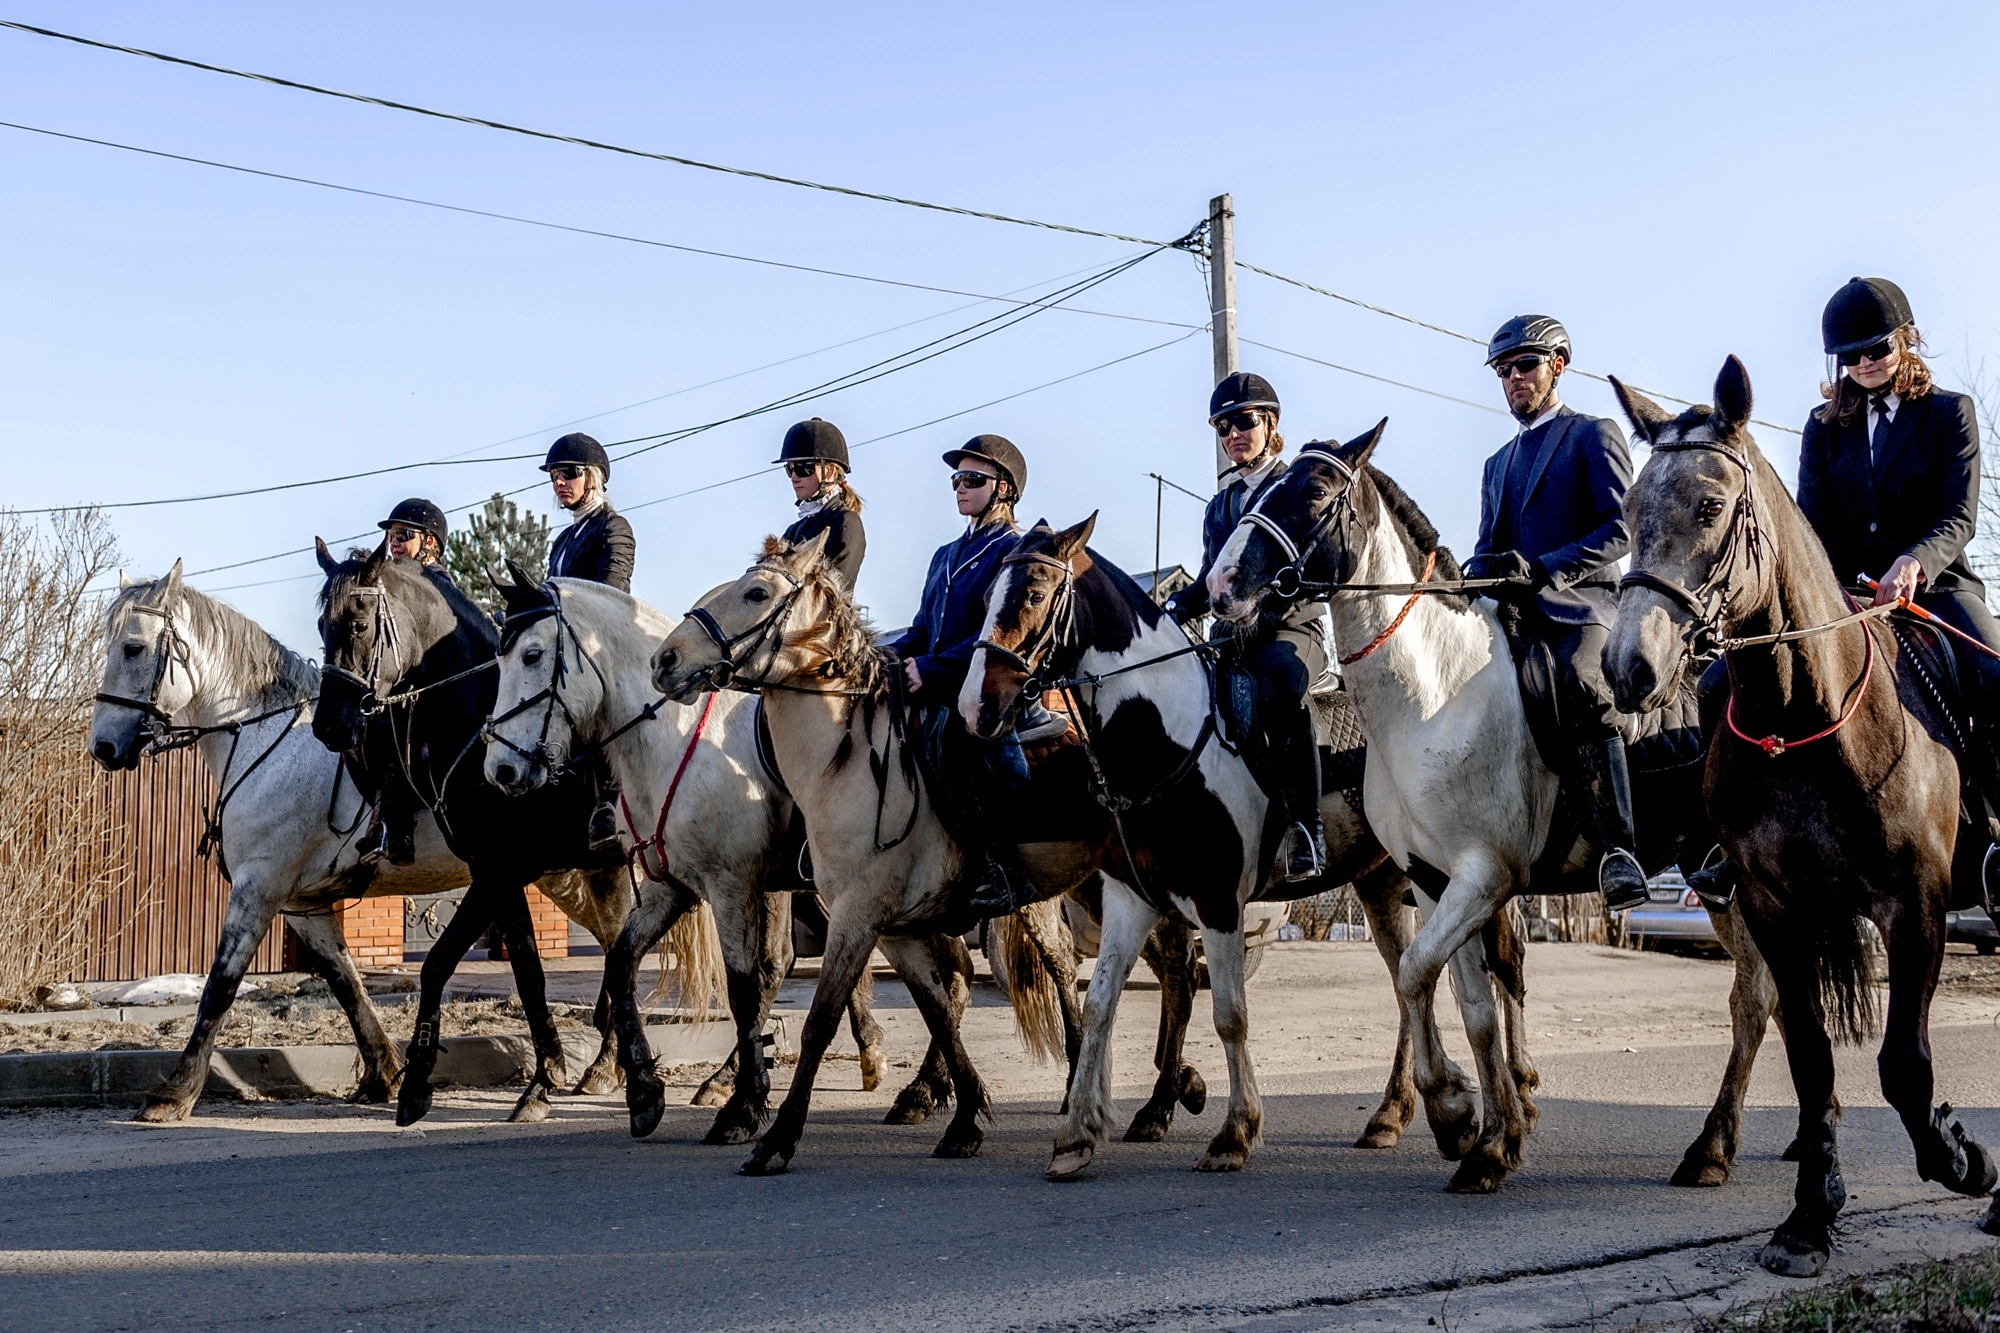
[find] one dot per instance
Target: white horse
(178, 661)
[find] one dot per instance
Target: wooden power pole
(1222, 295)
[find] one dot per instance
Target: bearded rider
(1551, 517)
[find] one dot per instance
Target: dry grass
(1957, 1296)
(55, 864)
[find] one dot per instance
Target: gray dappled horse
(1833, 785)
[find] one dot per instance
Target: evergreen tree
(500, 532)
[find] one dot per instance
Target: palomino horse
(1833, 785)
(420, 655)
(882, 861)
(179, 667)
(701, 819)
(1188, 838)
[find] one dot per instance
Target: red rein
(1777, 745)
(1430, 566)
(658, 842)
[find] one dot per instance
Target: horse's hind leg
(1391, 925)
(747, 921)
(1507, 959)
(517, 927)
(938, 969)
(611, 894)
(467, 924)
(658, 907)
(867, 1032)
(1503, 1127)
(1169, 952)
(923, 1095)
(243, 927)
(381, 1067)
(1128, 920)
(1752, 998)
(1229, 1150)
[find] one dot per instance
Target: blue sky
(1676, 182)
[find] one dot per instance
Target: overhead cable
(1380, 379)
(599, 145)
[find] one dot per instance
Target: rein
(1416, 591)
(1775, 745)
(658, 842)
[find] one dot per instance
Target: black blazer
(599, 549)
(1572, 517)
(846, 547)
(1925, 503)
(1225, 510)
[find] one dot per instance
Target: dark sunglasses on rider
(1231, 423)
(969, 480)
(566, 471)
(1525, 365)
(1876, 352)
(804, 468)
(400, 534)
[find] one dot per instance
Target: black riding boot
(1715, 880)
(1302, 851)
(1001, 773)
(1608, 789)
(604, 815)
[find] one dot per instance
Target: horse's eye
(1710, 510)
(531, 657)
(756, 595)
(1318, 493)
(132, 650)
(1037, 598)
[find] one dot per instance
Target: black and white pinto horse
(181, 667)
(421, 655)
(1455, 788)
(702, 821)
(1186, 836)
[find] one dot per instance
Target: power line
(1380, 379)
(599, 145)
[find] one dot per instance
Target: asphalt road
(324, 1217)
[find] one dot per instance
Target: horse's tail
(1843, 954)
(1031, 988)
(691, 971)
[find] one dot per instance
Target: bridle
(1708, 601)
(728, 673)
(171, 649)
(1289, 579)
(384, 641)
(1033, 653)
(550, 696)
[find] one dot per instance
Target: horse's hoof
(1379, 1135)
(1980, 1176)
(1531, 1116)
(412, 1106)
(1150, 1125)
(372, 1092)
(1792, 1152)
(1990, 1223)
(599, 1081)
(163, 1111)
(645, 1102)
(1700, 1172)
(1229, 1160)
(1480, 1173)
(533, 1108)
(910, 1110)
(1194, 1092)
(956, 1145)
(735, 1125)
(713, 1093)
(765, 1162)
(1793, 1256)
(1070, 1163)
(1455, 1138)
(874, 1067)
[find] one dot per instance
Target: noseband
(551, 694)
(1708, 602)
(172, 648)
(1055, 628)
(726, 674)
(1289, 579)
(385, 641)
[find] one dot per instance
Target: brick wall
(374, 930)
(551, 926)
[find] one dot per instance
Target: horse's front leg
(1470, 900)
(1752, 999)
(745, 921)
(937, 969)
(467, 924)
(867, 1032)
(517, 927)
(659, 906)
(1507, 959)
(1229, 1150)
(326, 945)
(611, 892)
(1169, 952)
(1128, 920)
(1392, 926)
(1498, 1148)
(244, 926)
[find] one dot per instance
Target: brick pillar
(374, 930)
(551, 926)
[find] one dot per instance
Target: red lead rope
(1777, 745)
(1430, 566)
(658, 842)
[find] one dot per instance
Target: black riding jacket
(599, 549)
(846, 547)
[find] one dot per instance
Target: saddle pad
(766, 755)
(1343, 749)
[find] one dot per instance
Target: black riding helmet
(418, 513)
(1862, 313)
(814, 441)
(1529, 333)
(1242, 390)
(578, 449)
(1000, 452)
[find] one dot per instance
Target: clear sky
(1676, 182)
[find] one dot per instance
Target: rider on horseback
(988, 478)
(814, 457)
(416, 530)
(597, 545)
(1286, 655)
(1551, 516)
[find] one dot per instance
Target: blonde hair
(1845, 399)
(844, 495)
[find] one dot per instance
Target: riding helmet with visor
(1865, 311)
(814, 441)
(419, 514)
(998, 451)
(578, 450)
(1529, 333)
(1242, 390)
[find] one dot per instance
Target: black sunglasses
(1245, 421)
(1877, 352)
(802, 469)
(565, 472)
(969, 480)
(402, 534)
(1526, 365)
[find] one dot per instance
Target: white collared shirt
(1892, 402)
(1548, 413)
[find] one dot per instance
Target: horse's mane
(849, 636)
(1413, 521)
(264, 665)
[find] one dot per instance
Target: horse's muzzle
(113, 758)
(1644, 657)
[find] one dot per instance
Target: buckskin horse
(1834, 784)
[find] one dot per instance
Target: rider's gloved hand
(1510, 565)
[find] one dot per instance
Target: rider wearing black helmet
(1551, 515)
(1287, 655)
(814, 457)
(597, 545)
(988, 476)
(415, 530)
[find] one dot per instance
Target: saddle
(975, 793)
(1343, 750)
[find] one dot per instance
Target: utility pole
(1222, 295)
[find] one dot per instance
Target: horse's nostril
(507, 773)
(105, 751)
(667, 661)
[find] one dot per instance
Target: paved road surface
(325, 1217)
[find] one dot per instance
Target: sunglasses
(803, 469)
(1232, 423)
(1520, 365)
(565, 472)
(969, 480)
(399, 535)
(1885, 348)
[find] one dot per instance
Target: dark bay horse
(419, 655)
(1833, 786)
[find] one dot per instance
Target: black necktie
(1878, 442)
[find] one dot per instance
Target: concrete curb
(124, 1078)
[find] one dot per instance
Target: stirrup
(1617, 898)
(1989, 875)
(1286, 849)
(1715, 881)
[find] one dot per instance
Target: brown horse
(1833, 783)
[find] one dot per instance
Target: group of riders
(1888, 477)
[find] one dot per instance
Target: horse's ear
(1071, 540)
(810, 554)
(126, 581)
(522, 578)
(1356, 451)
(1647, 416)
(170, 587)
(1732, 394)
(1041, 525)
(326, 560)
(378, 557)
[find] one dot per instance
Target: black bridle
(1708, 602)
(1288, 581)
(382, 642)
(170, 649)
(1055, 630)
(551, 695)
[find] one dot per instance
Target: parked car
(1671, 912)
(1972, 926)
